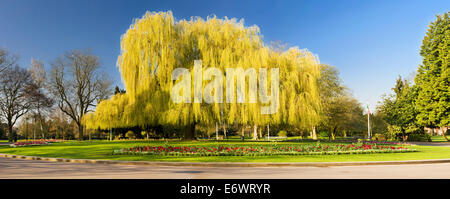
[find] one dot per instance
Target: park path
(18, 168)
(447, 144)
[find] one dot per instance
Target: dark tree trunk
(10, 134)
(333, 133)
(189, 132)
(443, 130)
(404, 137)
(80, 132)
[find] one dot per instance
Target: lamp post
(368, 123)
(34, 127)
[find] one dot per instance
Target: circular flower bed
(54, 140)
(262, 150)
(386, 142)
(28, 143)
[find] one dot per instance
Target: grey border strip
(228, 164)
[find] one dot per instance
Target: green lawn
(438, 138)
(103, 150)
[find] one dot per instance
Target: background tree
(17, 92)
(330, 83)
(78, 85)
(433, 76)
(41, 100)
(26, 127)
(399, 110)
(330, 89)
(341, 111)
(7, 60)
(379, 126)
(117, 90)
(342, 114)
(60, 124)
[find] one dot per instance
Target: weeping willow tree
(156, 44)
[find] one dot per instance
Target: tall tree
(343, 113)
(336, 102)
(16, 95)
(399, 110)
(41, 100)
(78, 85)
(433, 76)
(156, 45)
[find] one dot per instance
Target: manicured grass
(103, 150)
(438, 138)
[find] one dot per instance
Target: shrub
(379, 137)
(419, 137)
(323, 134)
(282, 133)
(130, 135)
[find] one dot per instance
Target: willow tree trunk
(224, 131)
(255, 132)
(110, 134)
(314, 133)
(189, 132)
(217, 132)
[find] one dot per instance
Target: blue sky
(370, 42)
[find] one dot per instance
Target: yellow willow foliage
(109, 114)
(156, 44)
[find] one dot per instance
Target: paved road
(17, 168)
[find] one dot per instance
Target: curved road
(18, 168)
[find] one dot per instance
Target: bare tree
(61, 123)
(78, 84)
(42, 103)
(7, 60)
(16, 95)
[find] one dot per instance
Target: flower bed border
(372, 151)
(26, 145)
